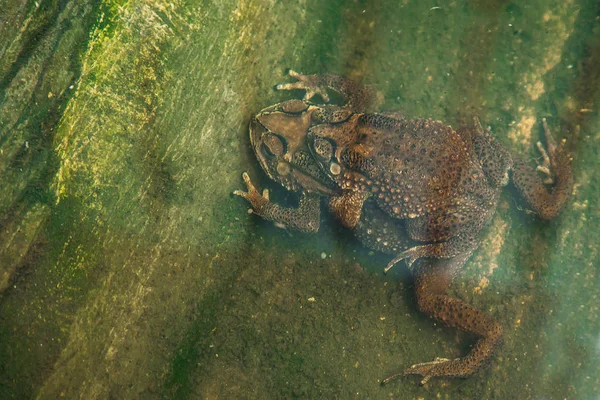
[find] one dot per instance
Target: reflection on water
(130, 271)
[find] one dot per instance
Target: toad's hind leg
(432, 277)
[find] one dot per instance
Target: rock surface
(129, 271)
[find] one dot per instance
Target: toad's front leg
(546, 196)
(357, 97)
(432, 277)
(305, 218)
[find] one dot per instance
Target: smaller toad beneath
(414, 188)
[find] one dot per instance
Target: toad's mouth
(311, 184)
(303, 174)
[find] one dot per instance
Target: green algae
(135, 274)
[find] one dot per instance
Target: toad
(414, 188)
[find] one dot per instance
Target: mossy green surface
(129, 270)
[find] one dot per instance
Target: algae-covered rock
(129, 271)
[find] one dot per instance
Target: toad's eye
(273, 146)
(323, 148)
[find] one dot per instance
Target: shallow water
(130, 271)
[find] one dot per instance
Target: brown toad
(278, 136)
(434, 189)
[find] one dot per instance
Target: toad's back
(415, 166)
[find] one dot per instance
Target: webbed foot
(410, 255)
(429, 369)
(426, 369)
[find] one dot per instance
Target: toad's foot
(356, 96)
(432, 278)
(305, 218)
(428, 370)
(549, 156)
(410, 255)
(310, 83)
(423, 369)
(461, 244)
(259, 202)
(479, 356)
(546, 196)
